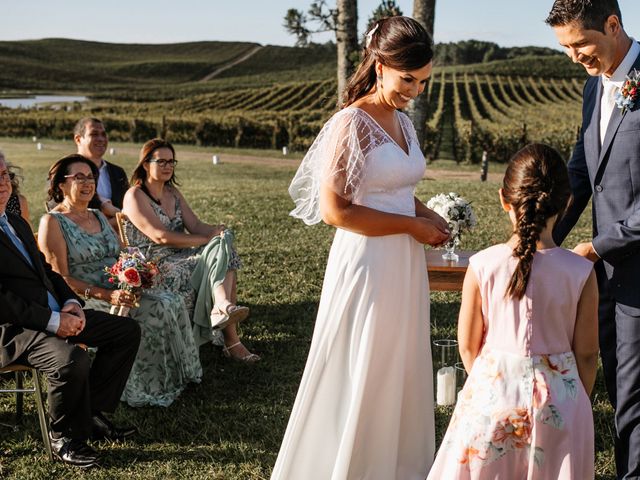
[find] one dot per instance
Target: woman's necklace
(83, 215)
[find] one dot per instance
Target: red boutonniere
(628, 95)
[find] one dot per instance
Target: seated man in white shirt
(91, 139)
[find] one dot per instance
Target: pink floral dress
(523, 412)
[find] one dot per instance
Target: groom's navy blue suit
(610, 173)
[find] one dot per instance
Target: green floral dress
(168, 358)
(178, 264)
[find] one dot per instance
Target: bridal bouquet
(132, 272)
(458, 214)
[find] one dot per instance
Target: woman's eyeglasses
(82, 178)
(163, 163)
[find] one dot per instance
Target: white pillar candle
(446, 386)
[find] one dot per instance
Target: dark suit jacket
(119, 185)
(611, 174)
(24, 309)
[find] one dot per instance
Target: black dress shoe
(103, 429)
(74, 452)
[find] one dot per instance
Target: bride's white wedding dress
(364, 409)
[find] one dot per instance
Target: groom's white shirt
(613, 84)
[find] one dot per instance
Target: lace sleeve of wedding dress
(409, 129)
(336, 159)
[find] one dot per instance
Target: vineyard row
(476, 113)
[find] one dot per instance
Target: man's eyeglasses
(82, 178)
(163, 163)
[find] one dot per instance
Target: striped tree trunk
(424, 11)
(346, 40)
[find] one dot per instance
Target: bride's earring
(379, 77)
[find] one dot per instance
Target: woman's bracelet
(87, 293)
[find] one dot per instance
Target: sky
(505, 22)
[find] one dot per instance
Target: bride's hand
(440, 222)
(430, 232)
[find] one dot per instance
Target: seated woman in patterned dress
(17, 203)
(79, 243)
(197, 259)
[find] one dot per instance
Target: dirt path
(235, 62)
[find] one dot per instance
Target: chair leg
(41, 413)
(19, 396)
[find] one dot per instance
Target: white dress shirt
(611, 85)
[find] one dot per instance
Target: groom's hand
(587, 251)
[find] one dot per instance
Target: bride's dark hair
(396, 42)
(536, 185)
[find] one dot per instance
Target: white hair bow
(370, 35)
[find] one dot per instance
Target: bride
(364, 409)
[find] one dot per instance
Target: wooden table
(444, 274)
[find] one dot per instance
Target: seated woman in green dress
(79, 243)
(196, 259)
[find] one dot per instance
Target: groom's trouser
(619, 330)
(607, 333)
(78, 387)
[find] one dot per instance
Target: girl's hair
(396, 42)
(536, 185)
(61, 168)
(146, 153)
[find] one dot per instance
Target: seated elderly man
(42, 320)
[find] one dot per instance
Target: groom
(605, 165)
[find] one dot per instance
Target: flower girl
(528, 337)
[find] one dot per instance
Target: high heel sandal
(232, 315)
(249, 358)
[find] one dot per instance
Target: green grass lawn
(230, 426)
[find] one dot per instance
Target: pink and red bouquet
(132, 272)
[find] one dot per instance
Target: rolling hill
(141, 72)
(94, 67)
(272, 96)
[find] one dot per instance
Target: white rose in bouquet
(456, 210)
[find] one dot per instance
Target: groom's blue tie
(4, 224)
